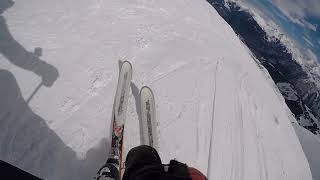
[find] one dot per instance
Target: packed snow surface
(216, 109)
(311, 147)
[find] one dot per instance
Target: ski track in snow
(216, 109)
(213, 109)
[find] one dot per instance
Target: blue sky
(299, 19)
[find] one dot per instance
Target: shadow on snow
(26, 141)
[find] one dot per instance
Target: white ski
(121, 97)
(148, 115)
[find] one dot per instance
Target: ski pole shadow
(136, 95)
(26, 140)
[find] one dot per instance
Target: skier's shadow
(136, 95)
(26, 141)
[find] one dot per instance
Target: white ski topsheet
(216, 109)
(148, 123)
(122, 93)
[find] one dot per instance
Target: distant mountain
(294, 81)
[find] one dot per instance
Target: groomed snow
(217, 110)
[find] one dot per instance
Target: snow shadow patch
(136, 94)
(5, 4)
(14, 52)
(26, 141)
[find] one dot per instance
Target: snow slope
(217, 110)
(311, 147)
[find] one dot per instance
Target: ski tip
(126, 67)
(126, 63)
(146, 88)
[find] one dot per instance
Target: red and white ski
(113, 167)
